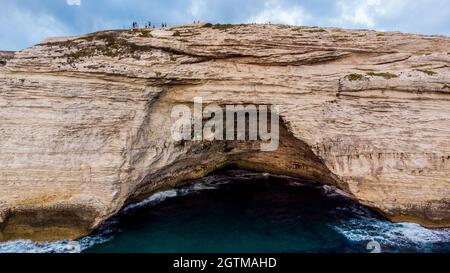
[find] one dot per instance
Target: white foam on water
(419, 234)
(105, 233)
(361, 227)
(25, 246)
(152, 200)
(207, 183)
(395, 235)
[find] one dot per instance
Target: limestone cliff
(85, 120)
(5, 56)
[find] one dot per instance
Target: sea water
(239, 211)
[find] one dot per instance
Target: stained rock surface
(5, 56)
(85, 121)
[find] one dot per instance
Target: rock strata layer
(5, 56)
(85, 125)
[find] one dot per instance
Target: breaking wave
(393, 237)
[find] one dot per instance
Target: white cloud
(73, 2)
(273, 12)
(36, 27)
(367, 12)
(197, 7)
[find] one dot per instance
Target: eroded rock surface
(85, 121)
(5, 56)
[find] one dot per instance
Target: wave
(106, 232)
(395, 237)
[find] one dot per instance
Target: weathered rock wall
(85, 121)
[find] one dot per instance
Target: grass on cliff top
(221, 26)
(316, 30)
(300, 28)
(113, 46)
(308, 29)
(385, 75)
(354, 77)
(172, 57)
(359, 77)
(428, 72)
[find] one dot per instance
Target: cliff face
(5, 56)
(85, 125)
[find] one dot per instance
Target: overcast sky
(27, 22)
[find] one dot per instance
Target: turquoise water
(236, 211)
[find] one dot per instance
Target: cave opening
(233, 210)
(237, 211)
